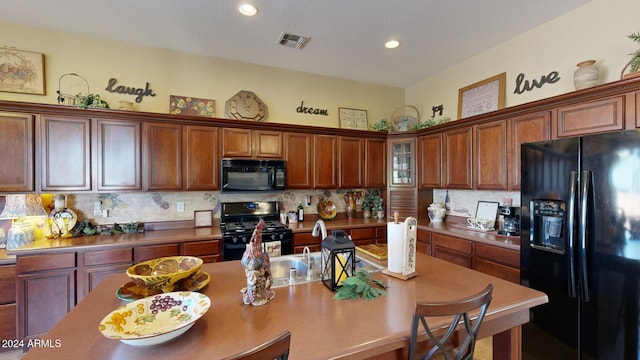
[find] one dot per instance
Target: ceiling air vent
(294, 41)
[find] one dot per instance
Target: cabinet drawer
(45, 262)
(7, 286)
(302, 239)
(498, 255)
(144, 253)
(363, 234)
(452, 243)
(108, 257)
(199, 248)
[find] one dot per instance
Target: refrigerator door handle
(571, 220)
(585, 206)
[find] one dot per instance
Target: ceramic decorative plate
(327, 209)
(155, 319)
(132, 291)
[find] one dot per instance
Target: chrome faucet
(319, 224)
(307, 252)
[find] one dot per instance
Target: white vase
(587, 75)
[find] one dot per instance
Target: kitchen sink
(281, 267)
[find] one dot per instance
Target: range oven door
(252, 175)
(231, 251)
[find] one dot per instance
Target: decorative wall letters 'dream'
(120, 89)
(309, 110)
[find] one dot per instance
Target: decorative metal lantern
(338, 259)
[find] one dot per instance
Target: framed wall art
(202, 218)
(482, 97)
(187, 105)
(353, 119)
(21, 71)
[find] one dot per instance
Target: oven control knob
(244, 239)
(273, 236)
(234, 239)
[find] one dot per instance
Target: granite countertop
(453, 227)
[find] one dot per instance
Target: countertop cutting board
(378, 251)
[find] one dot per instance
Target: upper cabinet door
(375, 171)
(351, 162)
(300, 162)
(430, 161)
(16, 147)
(490, 156)
(202, 161)
(162, 156)
(66, 153)
(591, 117)
(523, 129)
(118, 155)
(456, 158)
(325, 149)
(267, 144)
(402, 163)
(236, 142)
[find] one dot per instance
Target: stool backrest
(460, 310)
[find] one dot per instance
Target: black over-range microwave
(252, 175)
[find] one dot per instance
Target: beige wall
(595, 31)
(175, 73)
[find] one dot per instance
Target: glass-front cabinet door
(402, 162)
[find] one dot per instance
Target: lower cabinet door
(44, 299)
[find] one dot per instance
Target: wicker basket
(405, 118)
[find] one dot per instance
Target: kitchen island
(321, 327)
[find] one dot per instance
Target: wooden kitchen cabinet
(375, 163)
(430, 161)
(404, 201)
(238, 142)
(457, 158)
(8, 303)
(305, 239)
(362, 236)
(148, 252)
(590, 117)
(162, 156)
(65, 153)
(523, 129)
(351, 150)
(300, 161)
(402, 162)
(490, 156)
(17, 147)
(381, 234)
(118, 161)
(325, 155)
(93, 266)
(202, 163)
(424, 242)
(45, 291)
(497, 261)
(207, 250)
(452, 249)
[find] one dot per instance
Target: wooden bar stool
(276, 349)
(460, 310)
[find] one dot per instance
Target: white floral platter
(155, 319)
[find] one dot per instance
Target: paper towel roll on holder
(401, 245)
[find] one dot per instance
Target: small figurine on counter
(257, 268)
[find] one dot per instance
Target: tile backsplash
(464, 202)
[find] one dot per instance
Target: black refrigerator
(580, 244)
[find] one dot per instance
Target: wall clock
(245, 105)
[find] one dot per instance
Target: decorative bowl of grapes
(163, 273)
(155, 319)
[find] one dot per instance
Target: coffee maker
(511, 224)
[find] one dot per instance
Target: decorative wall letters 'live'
(309, 110)
(550, 78)
(140, 92)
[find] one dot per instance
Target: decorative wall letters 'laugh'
(140, 92)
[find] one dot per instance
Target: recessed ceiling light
(247, 9)
(392, 44)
